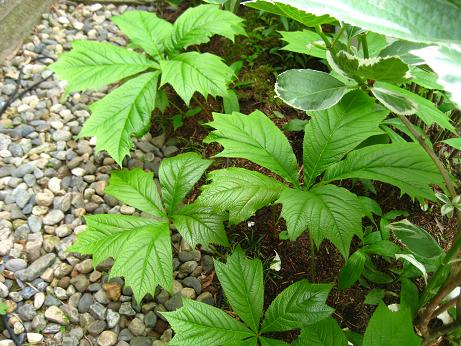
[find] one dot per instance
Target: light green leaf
(327, 212)
(178, 175)
(424, 78)
(391, 17)
(375, 296)
(240, 191)
(197, 24)
(352, 270)
(231, 102)
(446, 62)
(136, 188)
(409, 295)
(387, 328)
(394, 101)
(195, 72)
(416, 239)
(91, 65)
(289, 11)
(309, 90)
(405, 165)
(242, 281)
(145, 29)
(123, 113)
(272, 342)
(295, 125)
(200, 225)
(402, 49)
(332, 133)
(323, 333)
(197, 323)
(453, 142)
(303, 42)
(256, 138)
(299, 305)
(141, 249)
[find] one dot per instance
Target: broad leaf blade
(387, 328)
(299, 305)
(302, 42)
(256, 138)
(194, 72)
(327, 212)
(352, 270)
(405, 165)
(91, 65)
(197, 24)
(123, 113)
(332, 133)
(178, 176)
(200, 225)
(395, 101)
(272, 342)
(136, 188)
(242, 281)
(309, 90)
(141, 249)
(145, 29)
(198, 323)
(240, 191)
(323, 333)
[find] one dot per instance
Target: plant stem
(363, 40)
(338, 36)
(318, 30)
(447, 329)
(199, 103)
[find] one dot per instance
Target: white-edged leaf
(405, 165)
(415, 262)
(194, 72)
(395, 101)
(309, 90)
(91, 65)
(303, 42)
(402, 49)
(323, 333)
(240, 191)
(326, 212)
(123, 113)
(178, 176)
(256, 138)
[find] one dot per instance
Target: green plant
(126, 111)
(311, 201)
(299, 305)
(141, 246)
(228, 5)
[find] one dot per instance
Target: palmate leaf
(332, 133)
(200, 225)
(123, 113)
(327, 212)
(141, 249)
(299, 305)
(256, 138)
(323, 333)
(190, 72)
(405, 165)
(387, 328)
(198, 323)
(197, 24)
(309, 90)
(178, 176)
(136, 188)
(243, 285)
(240, 191)
(145, 29)
(91, 65)
(302, 42)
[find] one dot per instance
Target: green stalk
(363, 40)
(318, 30)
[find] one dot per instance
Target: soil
(259, 236)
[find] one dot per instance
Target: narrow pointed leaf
(240, 191)
(145, 29)
(332, 133)
(197, 323)
(91, 65)
(198, 24)
(405, 165)
(326, 212)
(323, 333)
(299, 305)
(123, 113)
(242, 281)
(200, 225)
(256, 138)
(136, 188)
(193, 72)
(453, 142)
(394, 101)
(352, 270)
(309, 90)
(178, 176)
